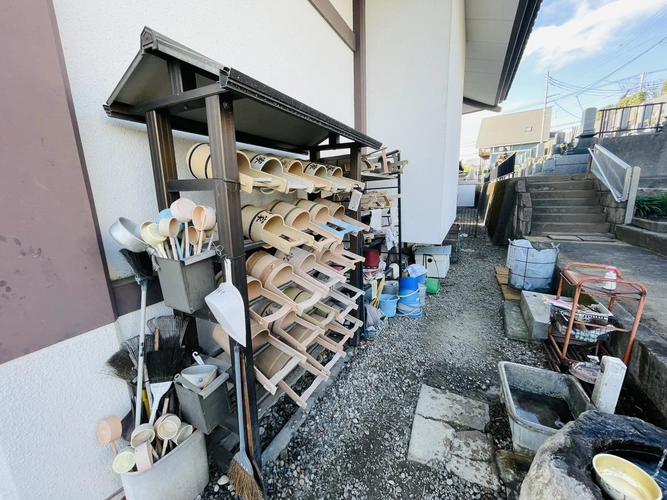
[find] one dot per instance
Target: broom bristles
(162, 365)
(244, 483)
(141, 264)
(122, 366)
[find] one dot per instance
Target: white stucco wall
(283, 43)
(52, 401)
(53, 398)
(415, 63)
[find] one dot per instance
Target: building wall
(415, 63)
(283, 43)
(54, 397)
(52, 401)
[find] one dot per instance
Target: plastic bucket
(432, 285)
(408, 304)
(390, 287)
(421, 279)
(407, 284)
(388, 304)
(422, 294)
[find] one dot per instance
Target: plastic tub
(388, 304)
(516, 380)
(432, 285)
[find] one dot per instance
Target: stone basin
(562, 468)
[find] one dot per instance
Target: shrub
(651, 206)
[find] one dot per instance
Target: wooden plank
(510, 293)
(502, 270)
(503, 279)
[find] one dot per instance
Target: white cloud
(594, 27)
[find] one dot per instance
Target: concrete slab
(474, 471)
(535, 313)
(447, 430)
(460, 412)
(473, 445)
(430, 441)
(515, 326)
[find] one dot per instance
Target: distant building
(518, 132)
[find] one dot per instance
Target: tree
(663, 89)
(632, 100)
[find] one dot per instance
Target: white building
(403, 72)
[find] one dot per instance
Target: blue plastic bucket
(388, 304)
(408, 304)
(407, 284)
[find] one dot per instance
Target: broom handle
(140, 367)
(239, 399)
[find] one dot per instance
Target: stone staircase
(565, 204)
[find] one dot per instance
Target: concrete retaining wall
(648, 151)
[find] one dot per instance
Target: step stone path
(448, 430)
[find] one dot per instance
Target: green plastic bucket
(432, 285)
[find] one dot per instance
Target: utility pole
(641, 82)
(544, 112)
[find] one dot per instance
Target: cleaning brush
(122, 366)
(240, 469)
(162, 365)
(142, 267)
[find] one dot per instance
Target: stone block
(452, 408)
(535, 313)
(515, 326)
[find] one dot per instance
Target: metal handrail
(621, 179)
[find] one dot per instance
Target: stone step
(539, 202)
(548, 185)
(556, 177)
(567, 209)
(563, 193)
(650, 225)
(643, 238)
(569, 227)
(572, 217)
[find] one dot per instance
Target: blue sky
(593, 49)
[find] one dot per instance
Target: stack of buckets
(412, 295)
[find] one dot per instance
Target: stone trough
(562, 468)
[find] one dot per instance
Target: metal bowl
(623, 480)
(123, 232)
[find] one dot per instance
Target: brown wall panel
(53, 282)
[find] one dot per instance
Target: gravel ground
(354, 442)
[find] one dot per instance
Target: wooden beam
(336, 21)
(359, 25)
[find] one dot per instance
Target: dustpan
(226, 304)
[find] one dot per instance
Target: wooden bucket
(262, 225)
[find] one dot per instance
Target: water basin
(648, 462)
(539, 403)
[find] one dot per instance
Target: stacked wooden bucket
(297, 291)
